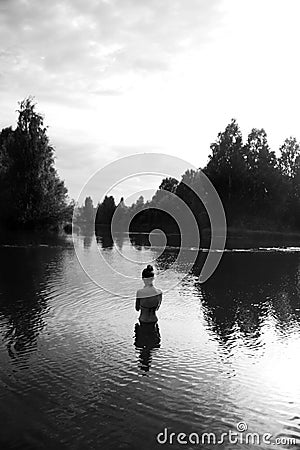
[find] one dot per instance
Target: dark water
(77, 372)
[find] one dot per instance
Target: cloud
(106, 92)
(78, 58)
(72, 48)
(79, 157)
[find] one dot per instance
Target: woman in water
(148, 299)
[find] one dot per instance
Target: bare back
(148, 300)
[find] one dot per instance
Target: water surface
(77, 372)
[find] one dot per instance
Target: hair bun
(148, 272)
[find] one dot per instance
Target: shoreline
(237, 238)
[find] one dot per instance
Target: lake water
(77, 372)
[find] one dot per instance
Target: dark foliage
(259, 190)
(32, 194)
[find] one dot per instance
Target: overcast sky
(116, 77)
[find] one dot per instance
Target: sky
(118, 77)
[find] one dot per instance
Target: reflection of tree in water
(104, 237)
(147, 338)
(163, 261)
(139, 240)
(88, 232)
(119, 239)
(87, 241)
(22, 301)
(245, 289)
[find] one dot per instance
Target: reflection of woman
(147, 338)
(148, 299)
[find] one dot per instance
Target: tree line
(259, 189)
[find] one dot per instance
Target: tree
(5, 196)
(88, 210)
(169, 184)
(35, 194)
(289, 166)
(105, 211)
(246, 177)
(226, 166)
(262, 174)
(139, 204)
(290, 157)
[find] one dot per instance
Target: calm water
(76, 372)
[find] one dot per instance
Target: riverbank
(241, 238)
(237, 238)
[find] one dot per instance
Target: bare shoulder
(139, 292)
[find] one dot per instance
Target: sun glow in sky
(117, 77)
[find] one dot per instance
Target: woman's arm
(137, 304)
(159, 301)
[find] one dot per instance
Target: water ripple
(73, 374)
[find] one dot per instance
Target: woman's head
(148, 273)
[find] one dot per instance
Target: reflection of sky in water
(73, 368)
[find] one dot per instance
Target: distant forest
(259, 189)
